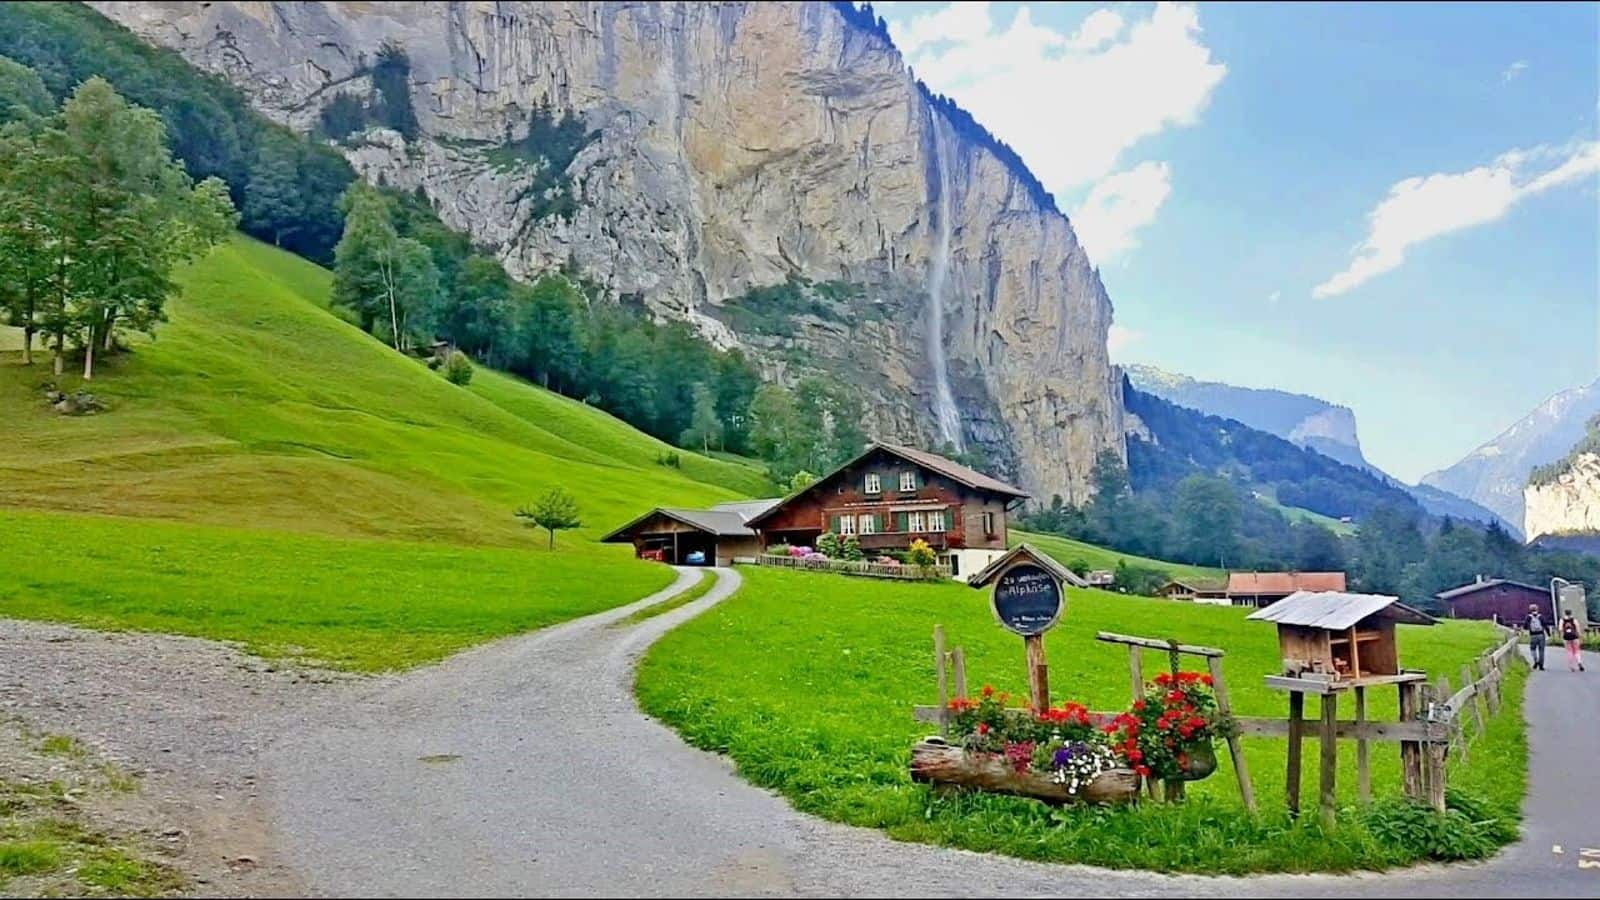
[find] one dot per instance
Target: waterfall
(944, 402)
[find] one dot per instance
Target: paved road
(524, 767)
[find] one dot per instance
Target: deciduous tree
(555, 510)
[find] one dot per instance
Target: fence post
(1235, 751)
(1410, 751)
(1439, 750)
(1330, 756)
(1363, 768)
(1291, 787)
(958, 659)
(938, 665)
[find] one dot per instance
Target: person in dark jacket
(1572, 636)
(1536, 635)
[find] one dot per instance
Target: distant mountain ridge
(1495, 474)
(1306, 421)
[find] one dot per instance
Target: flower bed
(1167, 735)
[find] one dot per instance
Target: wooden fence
(849, 567)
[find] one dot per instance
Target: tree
(23, 95)
(555, 510)
(801, 480)
(31, 242)
(775, 431)
(704, 428)
(1206, 519)
(274, 204)
(379, 274)
(1317, 549)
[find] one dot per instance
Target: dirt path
(524, 767)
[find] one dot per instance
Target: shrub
(1420, 831)
(920, 554)
(850, 548)
(829, 545)
(670, 459)
(458, 369)
(779, 549)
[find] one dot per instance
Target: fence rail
(863, 568)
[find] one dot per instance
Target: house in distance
(886, 497)
(1495, 599)
(1260, 589)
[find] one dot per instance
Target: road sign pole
(1038, 672)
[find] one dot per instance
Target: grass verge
(708, 580)
(807, 682)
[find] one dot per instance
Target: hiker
(1535, 626)
(1573, 636)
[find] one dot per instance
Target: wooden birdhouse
(1340, 637)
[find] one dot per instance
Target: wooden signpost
(1028, 599)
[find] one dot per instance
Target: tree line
(94, 216)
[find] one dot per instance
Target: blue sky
(1390, 207)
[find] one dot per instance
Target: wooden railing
(849, 567)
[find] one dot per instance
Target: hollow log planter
(933, 761)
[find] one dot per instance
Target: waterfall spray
(944, 402)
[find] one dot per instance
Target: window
(869, 523)
(874, 486)
(847, 524)
(936, 521)
(988, 523)
(908, 481)
(914, 522)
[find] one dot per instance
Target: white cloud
(1119, 338)
(1071, 104)
(1513, 70)
(1428, 206)
(1118, 206)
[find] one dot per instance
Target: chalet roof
(1027, 553)
(723, 520)
(1200, 584)
(932, 461)
(1484, 585)
(1284, 582)
(1337, 610)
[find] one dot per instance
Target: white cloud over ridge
(1428, 206)
(1072, 104)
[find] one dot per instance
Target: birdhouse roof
(1337, 610)
(1025, 553)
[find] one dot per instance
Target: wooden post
(1330, 757)
(958, 660)
(1479, 687)
(1439, 750)
(1363, 767)
(1410, 751)
(1491, 682)
(1038, 674)
(1235, 751)
(1291, 787)
(1136, 672)
(938, 667)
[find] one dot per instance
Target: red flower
(1196, 722)
(988, 690)
(1206, 680)
(1139, 705)
(1004, 697)
(1186, 731)
(1134, 755)
(1144, 771)
(1163, 679)
(1183, 760)
(983, 727)
(1176, 697)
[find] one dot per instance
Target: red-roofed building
(1260, 589)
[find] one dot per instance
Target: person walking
(1572, 635)
(1536, 634)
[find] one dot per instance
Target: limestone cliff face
(739, 144)
(1568, 504)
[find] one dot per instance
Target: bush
(921, 554)
(458, 369)
(779, 549)
(829, 545)
(670, 458)
(850, 549)
(1465, 830)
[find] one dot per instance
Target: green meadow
(364, 503)
(808, 681)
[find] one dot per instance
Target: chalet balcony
(900, 540)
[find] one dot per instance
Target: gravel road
(524, 767)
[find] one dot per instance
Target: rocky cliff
(736, 145)
(1568, 503)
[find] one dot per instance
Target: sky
(1392, 207)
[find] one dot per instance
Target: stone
(1568, 504)
(739, 145)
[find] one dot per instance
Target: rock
(1568, 503)
(738, 145)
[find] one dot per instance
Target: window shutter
(833, 524)
(877, 523)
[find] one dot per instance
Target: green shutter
(834, 526)
(877, 523)
(902, 521)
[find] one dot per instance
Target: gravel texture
(524, 767)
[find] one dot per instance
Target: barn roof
(1284, 582)
(1025, 552)
(723, 520)
(1337, 610)
(1484, 585)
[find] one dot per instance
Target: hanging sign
(1028, 599)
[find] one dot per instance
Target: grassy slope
(1068, 551)
(1297, 514)
(808, 680)
(258, 410)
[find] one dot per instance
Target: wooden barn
(714, 536)
(1260, 589)
(1496, 600)
(891, 495)
(1345, 636)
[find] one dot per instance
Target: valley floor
(525, 767)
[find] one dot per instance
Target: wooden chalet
(1344, 637)
(1496, 600)
(715, 536)
(1260, 589)
(891, 495)
(1196, 590)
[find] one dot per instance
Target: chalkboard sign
(1027, 599)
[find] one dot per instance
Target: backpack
(1569, 630)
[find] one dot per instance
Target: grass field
(367, 502)
(1297, 514)
(1067, 552)
(808, 680)
(700, 589)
